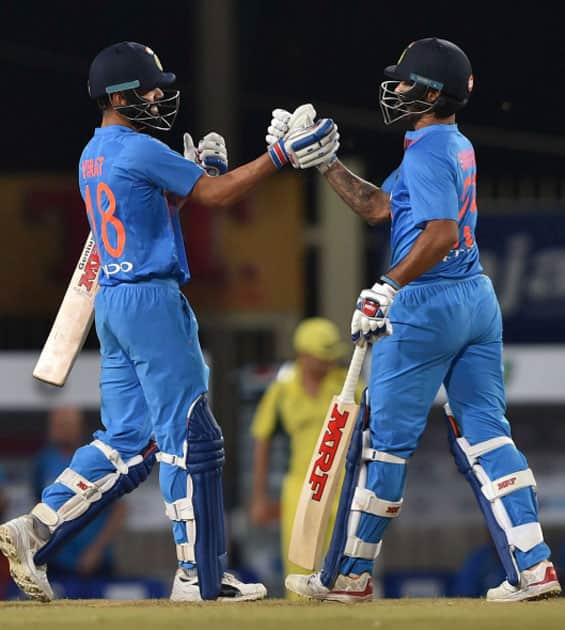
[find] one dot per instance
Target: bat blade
(321, 485)
(73, 321)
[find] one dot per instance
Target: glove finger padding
(303, 116)
(213, 153)
(316, 156)
(281, 115)
(313, 145)
(278, 126)
(190, 152)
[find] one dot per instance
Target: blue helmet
(134, 70)
(427, 63)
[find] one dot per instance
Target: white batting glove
(190, 151)
(213, 153)
(307, 147)
(278, 127)
(370, 319)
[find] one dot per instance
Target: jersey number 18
(107, 217)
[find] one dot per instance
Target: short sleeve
(156, 162)
(265, 421)
(432, 185)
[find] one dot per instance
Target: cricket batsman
(153, 378)
(439, 322)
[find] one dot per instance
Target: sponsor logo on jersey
(113, 268)
(326, 452)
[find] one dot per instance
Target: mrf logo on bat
(89, 264)
(327, 452)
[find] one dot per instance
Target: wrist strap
(391, 282)
(278, 154)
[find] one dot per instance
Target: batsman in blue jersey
(438, 321)
(154, 379)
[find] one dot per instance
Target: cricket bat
(324, 472)
(73, 321)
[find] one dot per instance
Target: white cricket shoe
(538, 583)
(185, 589)
(18, 542)
(346, 589)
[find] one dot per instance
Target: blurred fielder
(154, 380)
(440, 322)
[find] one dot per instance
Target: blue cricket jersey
(128, 181)
(437, 179)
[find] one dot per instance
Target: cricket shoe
(18, 542)
(538, 583)
(347, 589)
(185, 589)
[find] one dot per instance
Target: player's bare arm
(225, 190)
(433, 244)
(370, 202)
(304, 143)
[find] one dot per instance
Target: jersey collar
(413, 136)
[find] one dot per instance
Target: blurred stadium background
(291, 249)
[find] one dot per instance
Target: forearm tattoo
(368, 201)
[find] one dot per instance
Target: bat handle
(348, 391)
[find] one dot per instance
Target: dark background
(323, 51)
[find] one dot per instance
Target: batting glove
(190, 151)
(211, 154)
(278, 127)
(284, 122)
(311, 146)
(370, 318)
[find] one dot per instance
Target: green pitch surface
(412, 614)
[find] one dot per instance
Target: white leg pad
(85, 492)
(356, 548)
(112, 456)
(509, 483)
(365, 500)
(182, 510)
(372, 455)
(174, 460)
(185, 553)
(525, 537)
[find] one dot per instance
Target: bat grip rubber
(347, 394)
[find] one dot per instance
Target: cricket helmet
(427, 63)
(134, 70)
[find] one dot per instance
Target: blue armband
(390, 282)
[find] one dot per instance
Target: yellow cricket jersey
(288, 407)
